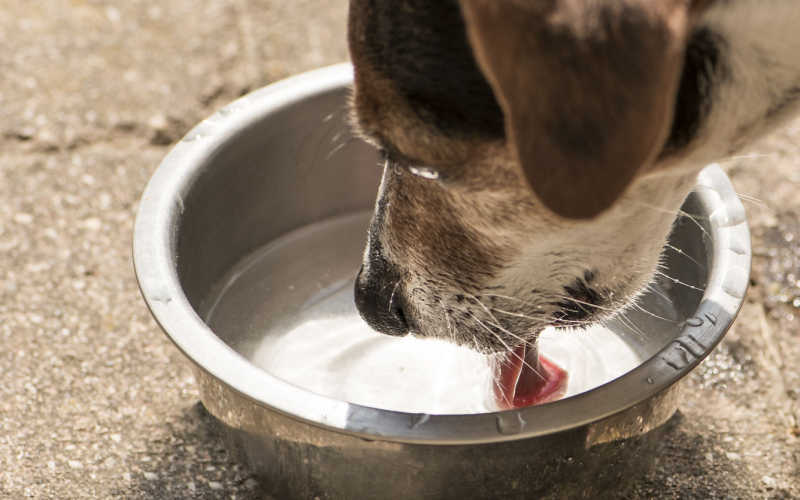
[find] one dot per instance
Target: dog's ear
(587, 88)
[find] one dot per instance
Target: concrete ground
(94, 400)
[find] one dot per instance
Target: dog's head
(530, 155)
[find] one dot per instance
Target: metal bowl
(280, 159)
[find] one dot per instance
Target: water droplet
(650, 380)
(510, 423)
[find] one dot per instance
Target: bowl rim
(155, 265)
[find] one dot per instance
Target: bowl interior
(273, 226)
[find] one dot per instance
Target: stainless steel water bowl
(282, 158)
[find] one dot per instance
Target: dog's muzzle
(378, 299)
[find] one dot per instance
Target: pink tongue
(525, 378)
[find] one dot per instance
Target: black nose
(378, 300)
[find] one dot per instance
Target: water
(289, 309)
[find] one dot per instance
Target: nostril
(398, 312)
(396, 324)
(378, 299)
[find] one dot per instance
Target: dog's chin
(499, 318)
(493, 323)
(491, 333)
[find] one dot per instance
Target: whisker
(752, 199)
(653, 288)
(554, 296)
(581, 302)
(511, 351)
(499, 339)
(650, 313)
(677, 213)
(681, 252)
(635, 327)
(658, 209)
(483, 306)
(631, 326)
(338, 148)
(569, 322)
(574, 323)
(496, 323)
(751, 156)
(694, 218)
(677, 281)
(744, 197)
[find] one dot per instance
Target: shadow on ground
(689, 466)
(190, 462)
(193, 462)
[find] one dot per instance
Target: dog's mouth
(524, 378)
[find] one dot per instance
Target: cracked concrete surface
(94, 400)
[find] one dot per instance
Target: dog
(537, 151)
